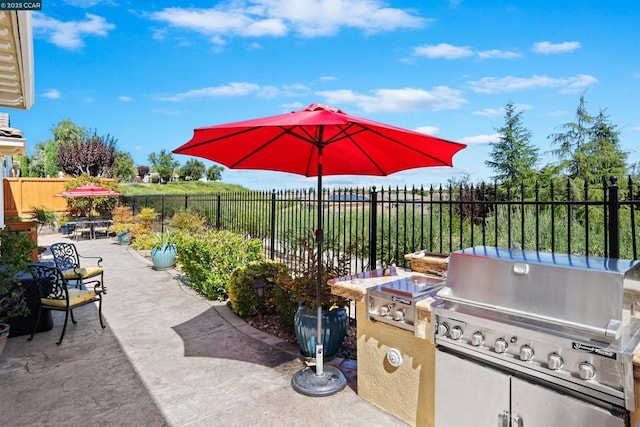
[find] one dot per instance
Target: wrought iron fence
(380, 226)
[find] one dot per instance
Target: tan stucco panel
(406, 391)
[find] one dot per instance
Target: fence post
(162, 215)
(272, 252)
(614, 218)
(373, 227)
(218, 212)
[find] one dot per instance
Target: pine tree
(513, 157)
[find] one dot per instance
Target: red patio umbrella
(318, 141)
(89, 191)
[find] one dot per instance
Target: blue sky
(150, 72)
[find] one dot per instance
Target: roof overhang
(12, 146)
(16, 60)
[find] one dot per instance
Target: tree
(142, 171)
(214, 173)
(513, 157)
(570, 143)
(589, 148)
(164, 164)
(193, 170)
(604, 157)
(36, 165)
(50, 159)
(66, 131)
(123, 166)
(94, 155)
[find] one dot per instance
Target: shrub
(144, 241)
(209, 258)
(242, 295)
(15, 255)
(188, 221)
(122, 220)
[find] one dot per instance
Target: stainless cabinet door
(537, 406)
(469, 394)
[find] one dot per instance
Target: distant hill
(180, 187)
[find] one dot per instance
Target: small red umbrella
(316, 141)
(89, 190)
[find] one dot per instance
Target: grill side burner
(394, 302)
(554, 318)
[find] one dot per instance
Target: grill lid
(578, 293)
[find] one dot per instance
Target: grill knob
(384, 310)
(586, 371)
(398, 315)
(455, 333)
(554, 361)
(526, 353)
(443, 329)
(500, 346)
(477, 339)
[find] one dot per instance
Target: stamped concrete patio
(167, 357)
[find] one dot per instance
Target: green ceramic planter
(334, 329)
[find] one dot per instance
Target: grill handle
(612, 330)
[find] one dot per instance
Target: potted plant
(334, 313)
(164, 252)
(123, 224)
(15, 255)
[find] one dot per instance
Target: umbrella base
(308, 383)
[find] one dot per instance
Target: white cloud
(490, 112)
(547, 48)
(237, 89)
(257, 18)
(448, 51)
(495, 53)
(224, 91)
(68, 35)
(53, 94)
(254, 46)
(328, 78)
(636, 75)
(397, 100)
(558, 113)
(493, 112)
(89, 3)
(125, 98)
(443, 50)
(490, 85)
(481, 139)
(429, 130)
(636, 128)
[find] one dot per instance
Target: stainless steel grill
(394, 302)
(554, 320)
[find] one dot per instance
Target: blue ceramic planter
(334, 329)
(124, 238)
(164, 258)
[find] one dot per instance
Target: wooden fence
(22, 195)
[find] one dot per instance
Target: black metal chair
(56, 295)
(67, 259)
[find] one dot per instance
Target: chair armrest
(98, 288)
(98, 258)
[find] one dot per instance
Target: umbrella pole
(319, 381)
(319, 240)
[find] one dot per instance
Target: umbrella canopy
(89, 190)
(316, 141)
(295, 142)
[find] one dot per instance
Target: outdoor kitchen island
(396, 367)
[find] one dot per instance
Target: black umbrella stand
(319, 380)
